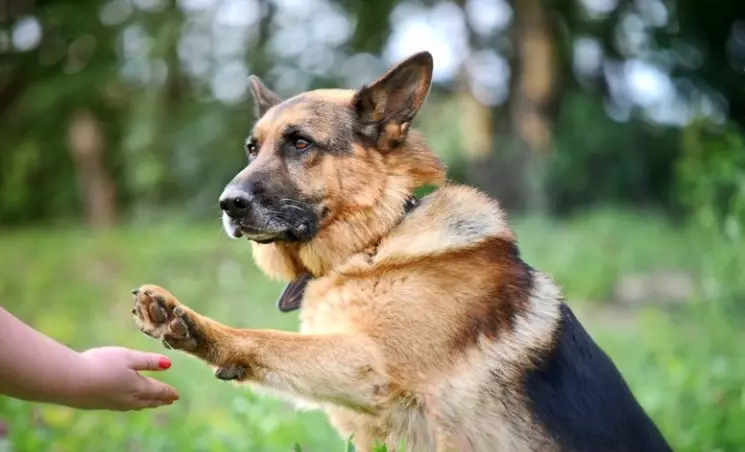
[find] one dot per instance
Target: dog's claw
(232, 372)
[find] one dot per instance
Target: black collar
(411, 203)
(292, 295)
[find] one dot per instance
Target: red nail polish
(164, 362)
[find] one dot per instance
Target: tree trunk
(87, 146)
(476, 136)
(533, 97)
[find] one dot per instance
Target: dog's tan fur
(416, 326)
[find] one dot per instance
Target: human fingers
(147, 361)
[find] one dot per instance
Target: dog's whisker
(292, 206)
(292, 202)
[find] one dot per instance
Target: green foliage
(711, 176)
(170, 143)
(75, 287)
(688, 374)
(686, 367)
(599, 161)
(711, 184)
(590, 253)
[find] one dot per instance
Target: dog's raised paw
(159, 315)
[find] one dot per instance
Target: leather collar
(292, 296)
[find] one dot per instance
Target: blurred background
(610, 130)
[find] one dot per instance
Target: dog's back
(580, 397)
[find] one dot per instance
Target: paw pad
(160, 316)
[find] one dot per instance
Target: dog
(419, 320)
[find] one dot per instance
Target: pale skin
(35, 367)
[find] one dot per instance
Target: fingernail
(164, 362)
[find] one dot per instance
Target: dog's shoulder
(451, 218)
(579, 395)
(456, 238)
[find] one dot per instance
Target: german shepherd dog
(419, 321)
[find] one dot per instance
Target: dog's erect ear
(389, 104)
(264, 98)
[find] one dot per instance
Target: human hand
(110, 380)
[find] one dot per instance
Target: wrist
(77, 384)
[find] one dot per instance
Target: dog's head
(326, 154)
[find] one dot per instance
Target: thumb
(148, 361)
(153, 389)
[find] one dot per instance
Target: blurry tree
(475, 123)
(87, 146)
(137, 100)
(372, 23)
(711, 177)
(56, 58)
(535, 94)
(616, 143)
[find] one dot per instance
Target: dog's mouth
(241, 231)
(289, 224)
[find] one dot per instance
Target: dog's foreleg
(344, 369)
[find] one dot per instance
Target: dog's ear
(264, 98)
(386, 107)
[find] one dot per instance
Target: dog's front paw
(158, 314)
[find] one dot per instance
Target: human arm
(35, 367)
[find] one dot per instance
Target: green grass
(686, 367)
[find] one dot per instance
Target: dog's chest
(408, 425)
(322, 309)
(335, 304)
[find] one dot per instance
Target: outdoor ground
(683, 363)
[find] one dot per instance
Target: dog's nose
(236, 204)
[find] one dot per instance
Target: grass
(75, 286)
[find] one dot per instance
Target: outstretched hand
(112, 380)
(37, 368)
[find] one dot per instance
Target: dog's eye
(302, 144)
(251, 149)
